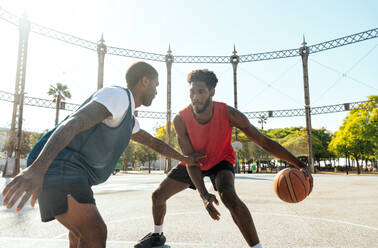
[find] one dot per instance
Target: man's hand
(306, 171)
(208, 200)
(192, 160)
(28, 181)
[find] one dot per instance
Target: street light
(237, 145)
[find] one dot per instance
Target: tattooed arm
(164, 149)
(29, 181)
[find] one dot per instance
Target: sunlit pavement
(341, 212)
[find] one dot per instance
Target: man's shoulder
(183, 110)
(111, 90)
(116, 88)
(223, 106)
(220, 103)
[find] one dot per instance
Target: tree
(338, 144)
(262, 121)
(296, 143)
(279, 133)
(161, 133)
(28, 140)
(144, 154)
(59, 92)
(128, 156)
(358, 135)
(258, 154)
(320, 141)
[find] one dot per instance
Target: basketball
(291, 185)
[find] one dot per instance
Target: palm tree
(262, 121)
(59, 92)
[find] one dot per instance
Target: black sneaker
(151, 240)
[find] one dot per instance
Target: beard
(200, 111)
(147, 100)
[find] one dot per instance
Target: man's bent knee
(229, 198)
(158, 196)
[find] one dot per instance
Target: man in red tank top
(205, 126)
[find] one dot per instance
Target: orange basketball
(291, 185)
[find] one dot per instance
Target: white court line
(8, 239)
(320, 219)
(259, 213)
(135, 218)
(58, 238)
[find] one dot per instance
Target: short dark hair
(137, 71)
(203, 75)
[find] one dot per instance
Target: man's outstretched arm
(163, 148)
(239, 120)
(29, 181)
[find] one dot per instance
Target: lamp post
(234, 60)
(101, 51)
(169, 61)
(12, 164)
(304, 52)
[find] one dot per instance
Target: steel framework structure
(54, 34)
(102, 50)
(45, 103)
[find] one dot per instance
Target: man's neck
(137, 98)
(206, 115)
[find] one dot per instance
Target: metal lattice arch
(25, 27)
(45, 103)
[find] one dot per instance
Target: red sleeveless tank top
(212, 138)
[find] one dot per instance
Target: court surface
(342, 211)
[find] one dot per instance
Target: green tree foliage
(144, 154)
(293, 139)
(296, 143)
(320, 141)
(161, 133)
(262, 120)
(28, 140)
(128, 157)
(136, 153)
(279, 133)
(59, 92)
(358, 135)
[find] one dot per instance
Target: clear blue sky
(198, 28)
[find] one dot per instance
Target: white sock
(158, 229)
(257, 246)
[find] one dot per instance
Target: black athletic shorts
(179, 173)
(53, 200)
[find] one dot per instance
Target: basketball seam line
(304, 186)
(289, 188)
(292, 186)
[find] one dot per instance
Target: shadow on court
(340, 212)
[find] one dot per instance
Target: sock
(257, 246)
(158, 229)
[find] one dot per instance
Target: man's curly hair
(204, 75)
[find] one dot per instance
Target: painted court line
(136, 218)
(320, 219)
(18, 239)
(259, 213)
